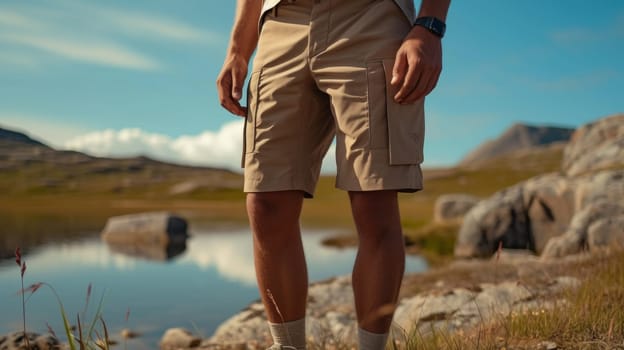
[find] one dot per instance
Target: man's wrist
(432, 24)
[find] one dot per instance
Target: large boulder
(155, 228)
(453, 207)
(524, 216)
(501, 218)
(595, 146)
(599, 219)
(606, 232)
(552, 213)
(549, 215)
(549, 203)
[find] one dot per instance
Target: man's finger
(409, 82)
(237, 83)
(398, 69)
(426, 84)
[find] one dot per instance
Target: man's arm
(242, 45)
(418, 61)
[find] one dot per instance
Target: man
(356, 69)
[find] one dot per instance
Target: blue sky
(138, 77)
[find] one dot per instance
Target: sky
(126, 78)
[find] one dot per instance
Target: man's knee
(274, 205)
(274, 215)
(376, 215)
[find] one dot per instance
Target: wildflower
(18, 257)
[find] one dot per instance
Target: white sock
(289, 333)
(371, 341)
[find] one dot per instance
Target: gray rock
(548, 212)
(179, 338)
(606, 232)
(501, 218)
(453, 207)
(330, 311)
(549, 201)
(331, 316)
(462, 308)
(605, 186)
(595, 146)
(15, 341)
(575, 238)
(156, 228)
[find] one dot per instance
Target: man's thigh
(379, 142)
(289, 126)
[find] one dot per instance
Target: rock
(156, 228)
(501, 218)
(549, 202)
(129, 334)
(575, 238)
(606, 232)
(15, 341)
(453, 207)
(545, 212)
(330, 311)
(595, 146)
(179, 338)
(605, 186)
(461, 308)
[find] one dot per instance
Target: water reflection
(156, 252)
(198, 287)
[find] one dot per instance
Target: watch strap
(433, 24)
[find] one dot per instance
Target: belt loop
(275, 10)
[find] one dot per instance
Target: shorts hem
(258, 186)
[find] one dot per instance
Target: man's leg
(280, 263)
(379, 264)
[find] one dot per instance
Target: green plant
(88, 338)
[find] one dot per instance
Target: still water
(198, 288)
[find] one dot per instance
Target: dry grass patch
(587, 317)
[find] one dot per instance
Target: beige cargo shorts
(323, 68)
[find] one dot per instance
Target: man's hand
(230, 84)
(417, 65)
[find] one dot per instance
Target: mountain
(9, 138)
(518, 138)
(28, 166)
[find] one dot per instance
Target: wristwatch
(433, 24)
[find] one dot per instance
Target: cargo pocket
(405, 124)
(249, 130)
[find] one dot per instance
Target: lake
(200, 287)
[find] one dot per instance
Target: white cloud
(221, 148)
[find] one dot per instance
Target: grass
(87, 337)
(587, 317)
